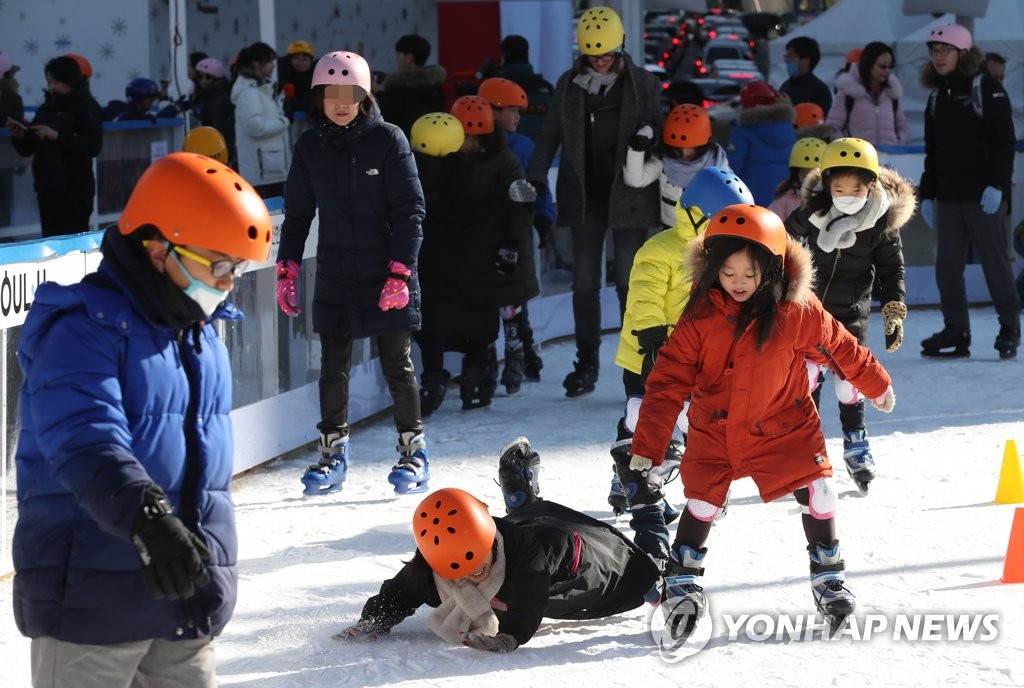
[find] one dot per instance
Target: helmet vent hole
(469, 556)
(331, 71)
(740, 220)
(253, 233)
(436, 521)
(238, 186)
(211, 171)
(450, 530)
(437, 540)
(344, 72)
(455, 566)
(423, 532)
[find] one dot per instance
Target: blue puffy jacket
(112, 402)
(759, 148)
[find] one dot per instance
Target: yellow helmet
(300, 48)
(806, 153)
(437, 134)
(600, 31)
(850, 152)
(207, 141)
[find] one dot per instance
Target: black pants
(394, 350)
(587, 252)
(62, 213)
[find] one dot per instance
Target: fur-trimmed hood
(797, 263)
(825, 132)
(849, 84)
(899, 189)
(427, 76)
(779, 112)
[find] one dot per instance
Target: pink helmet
(342, 68)
(953, 34)
(211, 66)
(5, 63)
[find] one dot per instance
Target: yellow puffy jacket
(659, 286)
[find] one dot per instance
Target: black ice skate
(951, 342)
(519, 474)
(583, 378)
(832, 598)
(1007, 342)
(432, 390)
(683, 602)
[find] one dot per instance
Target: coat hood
(761, 114)
(825, 132)
(427, 76)
(849, 83)
(797, 260)
(899, 189)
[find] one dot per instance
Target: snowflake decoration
(63, 43)
(134, 74)
(107, 51)
(62, 21)
(31, 46)
(295, 25)
(314, 35)
(216, 25)
(119, 26)
(2, 3)
(154, 13)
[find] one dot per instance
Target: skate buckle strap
(825, 568)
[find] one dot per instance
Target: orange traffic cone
(1011, 480)
(1013, 568)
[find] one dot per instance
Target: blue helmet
(713, 188)
(138, 90)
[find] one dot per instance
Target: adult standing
(867, 103)
(968, 142)
(64, 137)
(415, 88)
(357, 174)
(803, 86)
(515, 66)
(11, 106)
(261, 129)
(125, 547)
(598, 105)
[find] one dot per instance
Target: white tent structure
(1000, 30)
(846, 25)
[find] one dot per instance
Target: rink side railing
(276, 359)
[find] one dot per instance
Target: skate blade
(473, 405)
(939, 353)
(681, 618)
(320, 490)
(572, 393)
(409, 488)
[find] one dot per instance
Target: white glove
(928, 212)
(522, 191)
(646, 131)
(364, 628)
(639, 463)
(502, 642)
(991, 197)
(886, 402)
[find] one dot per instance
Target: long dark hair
(365, 105)
(762, 306)
(868, 57)
(257, 52)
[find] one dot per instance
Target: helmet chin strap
(696, 224)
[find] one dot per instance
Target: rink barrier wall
(276, 365)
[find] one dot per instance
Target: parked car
(721, 49)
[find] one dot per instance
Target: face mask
(793, 68)
(205, 296)
(848, 205)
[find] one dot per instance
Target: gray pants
(141, 664)
(960, 222)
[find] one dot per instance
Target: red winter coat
(751, 412)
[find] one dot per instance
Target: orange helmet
(687, 126)
(753, 223)
(83, 64)
(502, 93)
(195, 200)
(853, 56)
(454, 532)
(475, 113)
(757, 92)
(808, 114)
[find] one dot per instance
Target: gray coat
(565, 126)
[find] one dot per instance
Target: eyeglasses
(218, 268)
(941, 50)
(204, 77)
(605, 57)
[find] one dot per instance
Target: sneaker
(828, 583)
(683, 602)
(519, 474)
(859, 462)
(411, 473)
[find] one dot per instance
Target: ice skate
(583, 378)
(327, 475)
(1007, 342)
(638, 487)
(859, 462)
(532, 364)
(514, 372)
(411, 473)
(472, 387)
(617, 497)
(519, 474)
(828, 584)
(432, 390)
(682, 600)
(951, 342)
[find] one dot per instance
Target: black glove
(650, 339)
(171, 555)
(506, 260)
(540, 187)
(542, 223)
(640, 143)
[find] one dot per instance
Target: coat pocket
(782, 423)
(273, 161)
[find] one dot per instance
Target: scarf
(681, 172)
(330, 133)
(592, 82)
(838, 230)
(466, 606)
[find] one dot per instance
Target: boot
(473, 388)
(519, 474)
(583, 378)
(433, 387)
(956, 338)
(859, 462)
(828, 584)
(411, 473)
(532, 363)
(515, 361)
(328, 474)
(682, 600)
(1007, 342)
(640, 487)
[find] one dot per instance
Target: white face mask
(205, 296)
(848, 205)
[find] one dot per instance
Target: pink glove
(396, 288)
(287, 293)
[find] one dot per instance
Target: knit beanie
(65, 70)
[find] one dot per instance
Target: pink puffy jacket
(876, 123)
